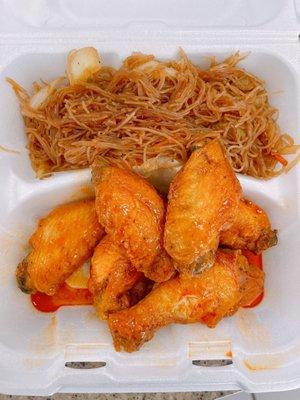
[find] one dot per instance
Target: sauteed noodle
(149, 108)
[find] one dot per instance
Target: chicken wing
(112, 276)
(251, 229)
(216, 293)
(63, 241)
(202, 198)
(133, 213)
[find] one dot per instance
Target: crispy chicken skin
(63, 241)
(133, 213)
(202, 198)
(251, 229)
(214, 294)
(112, 276)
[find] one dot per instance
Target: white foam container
(35, 37)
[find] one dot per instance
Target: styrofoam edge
(279, 45)
(141, 35)
(149, 387)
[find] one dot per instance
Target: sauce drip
(255, 259)
(65, 296)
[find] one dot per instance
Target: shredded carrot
(279, 158)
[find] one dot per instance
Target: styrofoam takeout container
(264, 343)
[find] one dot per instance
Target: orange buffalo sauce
(255, 259)
(65, 296)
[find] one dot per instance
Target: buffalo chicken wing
(207, 298)
(133, 213)
(63, 241)
(202, 198)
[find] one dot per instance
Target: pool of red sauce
(67, 296)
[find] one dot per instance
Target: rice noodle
(7, 150)
(149, 108)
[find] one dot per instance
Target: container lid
(29, 16)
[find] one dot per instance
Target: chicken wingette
(133, 214)
(216, 293)
(112, 277)
(250, 229)
(202, 199)
(63, 241)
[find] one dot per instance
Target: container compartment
(264, 341)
